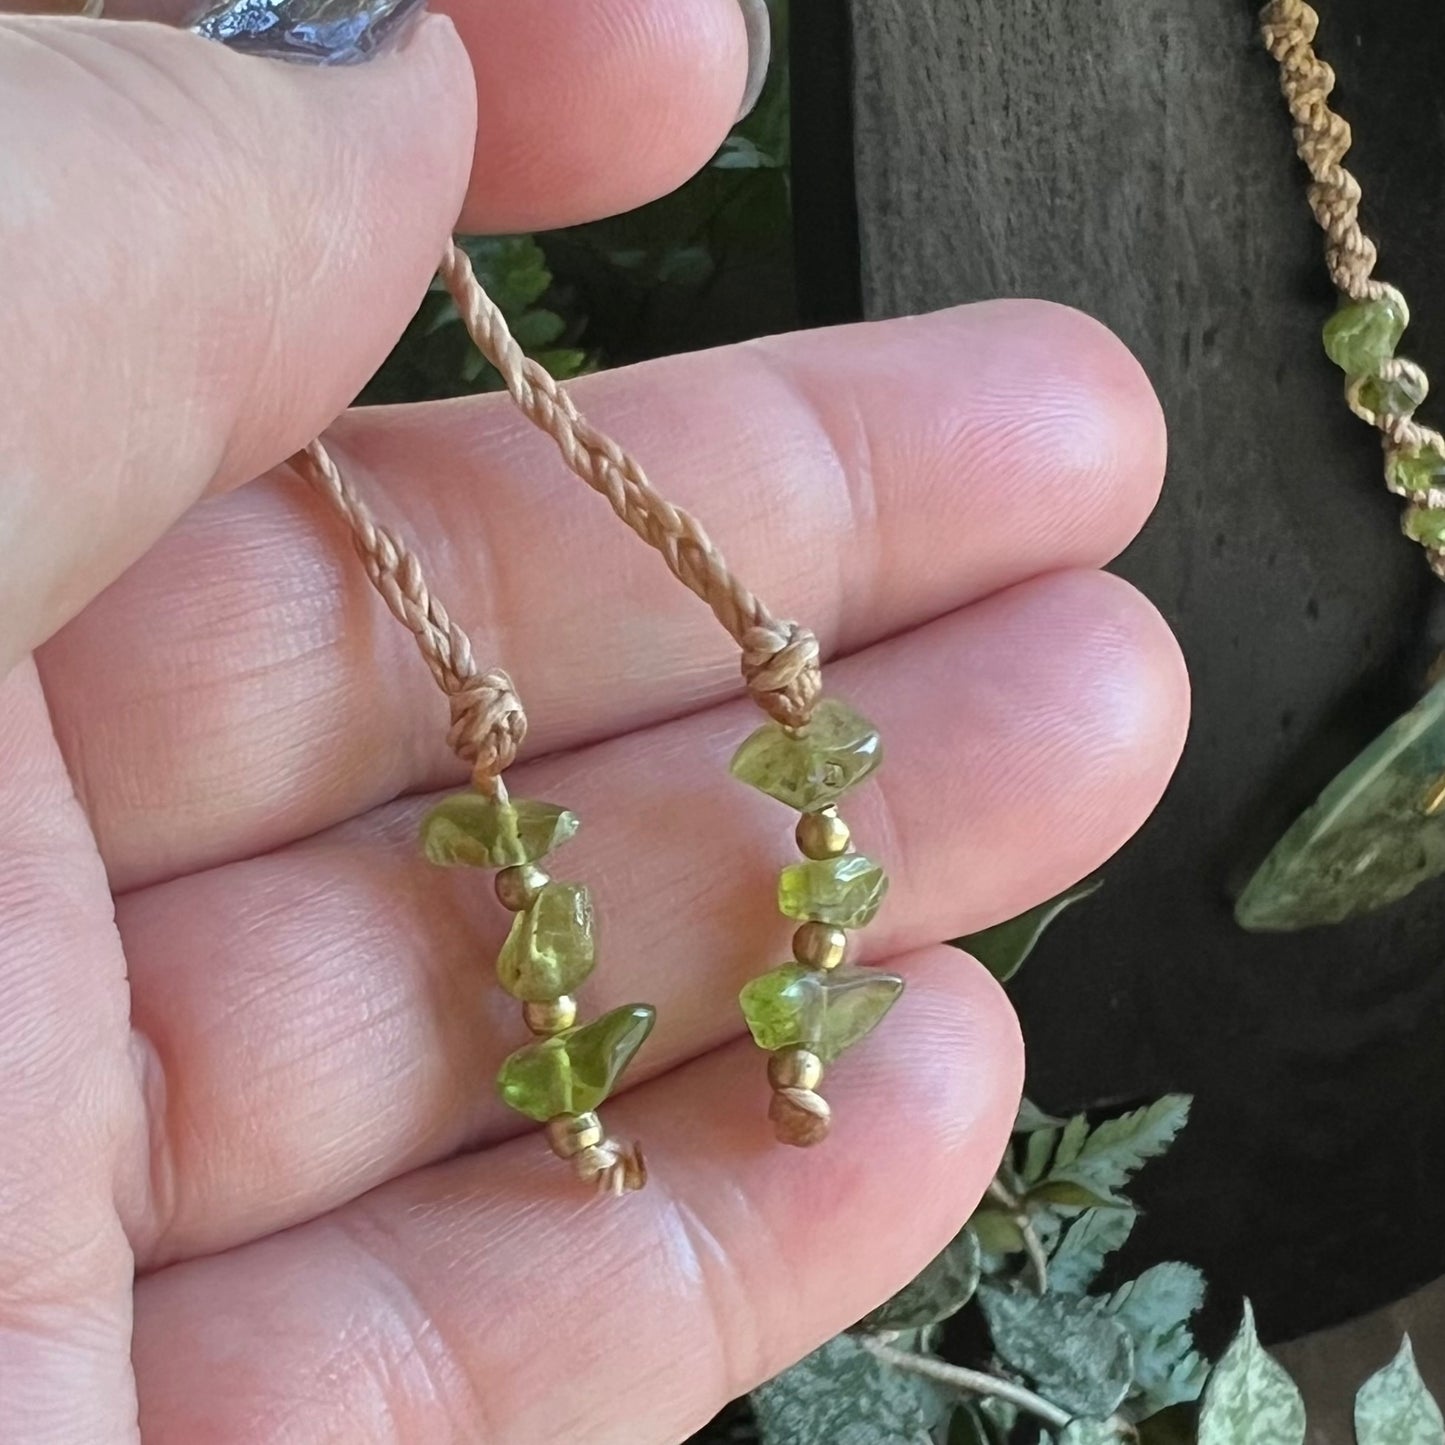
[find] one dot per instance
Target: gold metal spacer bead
(795, 1068)
(820, 945)
(574, 1134)
(552, 1017)
(800, 1117)
(517, 888)
(823, 834)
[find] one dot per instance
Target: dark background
(1133, 158)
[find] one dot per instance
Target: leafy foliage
(1006, 947)
(1087, 1243)
(1094, 1368)
(1251, 1400)
(1089, 1432)
(1155, 1309)
(1394, 1407)
(940, 1291)
(1098, 1360)
(842, 1395)
(1102, 1161)
(1250, 1397)
(1072, 1349)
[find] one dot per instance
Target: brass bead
(800, 1117)
(574, 1134)
(823, 834)
(517, 888)
(819, 945)
(795, 1068)
(551, 1017)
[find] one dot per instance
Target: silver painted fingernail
(314, 32)
(760, 51)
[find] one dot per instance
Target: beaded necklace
(1378, 830)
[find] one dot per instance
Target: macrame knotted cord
(1323, 138)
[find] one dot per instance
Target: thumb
(203, 256)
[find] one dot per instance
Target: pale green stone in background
(551, 948)
(474, 831)
(1367, 841)
(836, 751)
(825, 1012)
(575, 1072)
(846, 892)
(1362, 334)
(1398, 397)
(1415, 473)
(1426, 525)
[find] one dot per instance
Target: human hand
(247, 1035)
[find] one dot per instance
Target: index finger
(204, 257)
(585, 108)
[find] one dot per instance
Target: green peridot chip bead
(552, 946)
(815, 767)
(845, 892)
(1397, 397)
(1412, 474)
(1427, 526)
(1362, 334)
(824, 1012)
(574, 1072)
(474, 831)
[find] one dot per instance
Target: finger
(485, 1299)
(585, 108)
(863, 480)
(205, 256)
(349, 983)
(70, 1112)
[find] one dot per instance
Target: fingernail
(760, 51)
(314, 32)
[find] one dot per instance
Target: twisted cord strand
(1323, 139)
(488, 720)
(781, 660)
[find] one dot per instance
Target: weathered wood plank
(1131, 157)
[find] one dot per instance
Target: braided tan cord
(780, 659)
(488, 721)
(1323, 138)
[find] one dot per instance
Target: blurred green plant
(710, 264)
(1026, 1267)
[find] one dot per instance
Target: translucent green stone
(574, 1072)
(811, 769)
(478, 832)
(1426, 525)
(1415, 473)
(551, 948)
(846, 892)
(1362, 334)
(1397, 397)
(825, 1012)
(1368, 839)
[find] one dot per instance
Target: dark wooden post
(1132, 158)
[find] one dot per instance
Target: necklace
(1378, 830)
